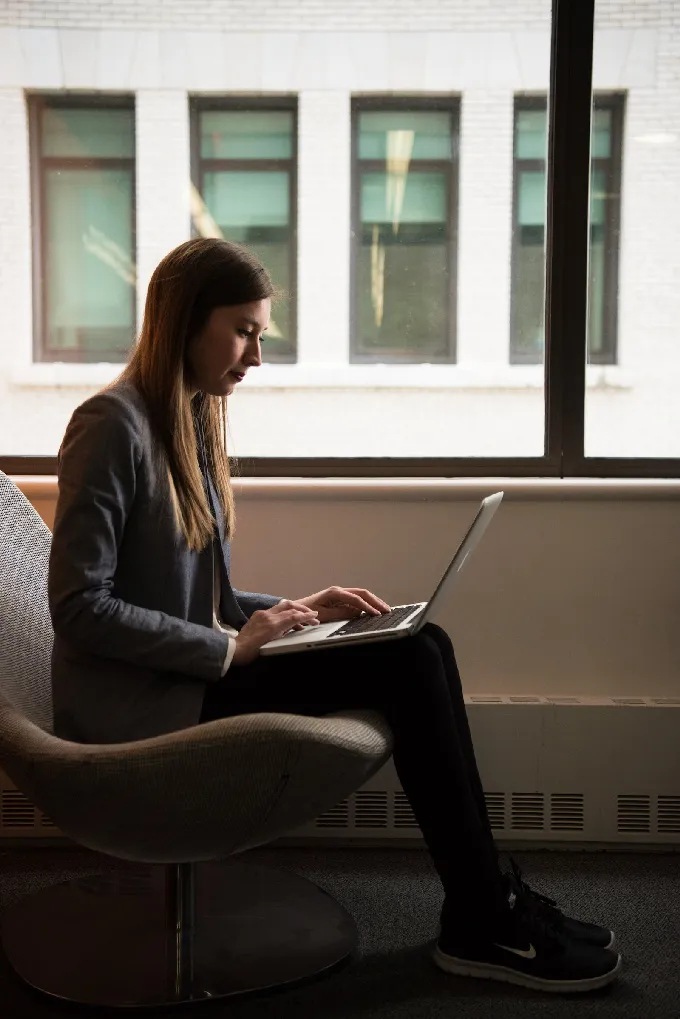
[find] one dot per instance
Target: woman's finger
(287, 627)
(371, 598)
(295, 616)
(356, 601)
(288, 606)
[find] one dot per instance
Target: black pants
(414, 683)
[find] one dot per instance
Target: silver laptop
(401, 621)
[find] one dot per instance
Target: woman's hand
(269, 624)
(344, 603)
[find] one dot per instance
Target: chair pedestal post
(181, 890)
(174, 934)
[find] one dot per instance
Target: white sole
(467, 968)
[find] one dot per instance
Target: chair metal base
(173, 935)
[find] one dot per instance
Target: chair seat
(200, 793)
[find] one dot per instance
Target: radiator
(554, 770)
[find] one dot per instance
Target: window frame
(378, 103)
(614, 102)
(567, 242)
(245, 103)
(37, 102)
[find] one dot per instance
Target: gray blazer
(131, 604)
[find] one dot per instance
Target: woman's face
(227, 347)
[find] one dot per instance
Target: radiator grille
(527, 812)
(669, 814)
(566, 812)
(16, 810)
(336, 817)
(403, 812)
(634, 814)
(495, 808)
(370, 809)
(523, 806)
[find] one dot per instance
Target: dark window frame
(615, 103)
(451, 167)
(244, 103)
(37, 102)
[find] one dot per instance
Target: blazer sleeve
(250, 602)
(98, 464)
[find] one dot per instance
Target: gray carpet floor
(394, 896)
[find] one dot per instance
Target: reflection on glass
(634, 411)
(403, 280)
(528, 257)
(87, 170)
(246, 195)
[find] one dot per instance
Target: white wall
(574, 589)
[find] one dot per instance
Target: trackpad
(319, 632)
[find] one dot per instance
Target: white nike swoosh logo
(529, 953)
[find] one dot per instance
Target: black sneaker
(529, 949)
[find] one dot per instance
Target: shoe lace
(539, 909)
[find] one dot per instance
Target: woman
(150, 637)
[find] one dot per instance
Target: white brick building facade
(485, 52)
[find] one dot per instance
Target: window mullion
(567, 234)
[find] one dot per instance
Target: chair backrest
(26, 634)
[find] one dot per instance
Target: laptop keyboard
(368, 623)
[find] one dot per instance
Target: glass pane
(632, 408)
(89, 270)
(253, 208)
(403, 295)
(88, 133)
(401, 137)
(528, 262)
(596, 292)
(247, 199)
(601, 143)
(532, 198)
(529, 297)
(402, 275)
(396, 198)
(240, 134)
(531, 134)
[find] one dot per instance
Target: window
(528, 249)
(83, 206)
(404, 230)
(244, 176)
(393, 179)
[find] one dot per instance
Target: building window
(244, 171)
(528, 243)
(405, 199)
(83, 194)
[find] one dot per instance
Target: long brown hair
(192, 280)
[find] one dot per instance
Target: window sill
(422, 376)
(423, 489)
(62, 375)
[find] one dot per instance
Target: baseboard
(64, 844)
